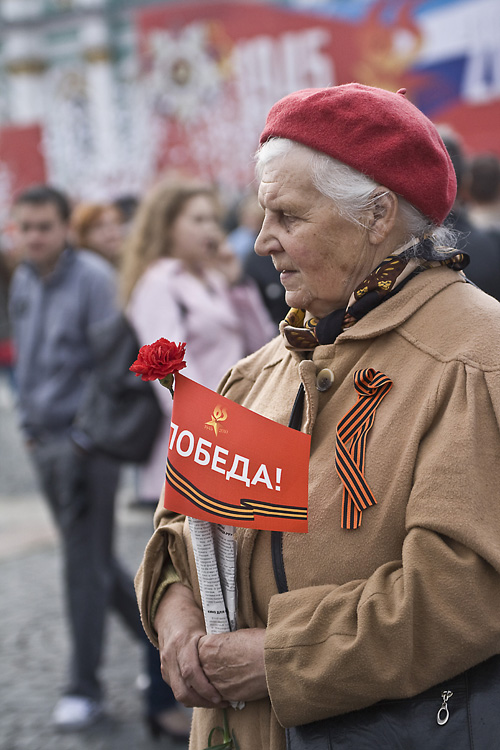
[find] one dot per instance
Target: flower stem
(168, 382)
(229, 741)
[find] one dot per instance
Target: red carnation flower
(159, 361)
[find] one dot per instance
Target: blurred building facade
(98, 96)
(68, 95)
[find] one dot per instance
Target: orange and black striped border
(203, 501)
(245, 512)
(277, 511)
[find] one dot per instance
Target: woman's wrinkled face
(195, 233)
(320, 255)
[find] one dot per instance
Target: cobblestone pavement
(33, 641)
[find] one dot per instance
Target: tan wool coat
(412, 597)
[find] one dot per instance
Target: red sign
(214, 69)
(228, 465)
(21, 153)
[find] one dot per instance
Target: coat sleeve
(100, 302)
(170, 543)
(421, 619)
(167, 545)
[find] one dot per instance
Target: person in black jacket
(484, 267)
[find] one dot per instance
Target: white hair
(354, 193)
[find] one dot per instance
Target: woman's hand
(234, 663)
(180, 625)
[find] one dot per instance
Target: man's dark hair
(41, 194)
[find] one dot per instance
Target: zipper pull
(443, 714)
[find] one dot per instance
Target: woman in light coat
(395, 589)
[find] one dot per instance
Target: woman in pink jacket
(177, 283)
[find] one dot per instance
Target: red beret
(377, 132)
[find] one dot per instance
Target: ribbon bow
(352, 432)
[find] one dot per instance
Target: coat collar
(398, 309)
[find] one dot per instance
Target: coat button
(324, 379)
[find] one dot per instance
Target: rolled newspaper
(215, 557)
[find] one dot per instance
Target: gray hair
(354, 193)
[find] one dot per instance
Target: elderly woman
(389, 359)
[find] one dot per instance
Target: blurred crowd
(104, 228)
(79, 281)
(476, 213)
(175, 263)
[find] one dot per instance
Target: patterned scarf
(386, 280)
(371, 385)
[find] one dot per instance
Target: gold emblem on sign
(219, 415)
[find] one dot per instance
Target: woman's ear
(382, 216)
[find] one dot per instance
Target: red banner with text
(228, 465)
(213, 69)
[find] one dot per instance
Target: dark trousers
(81, 490)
